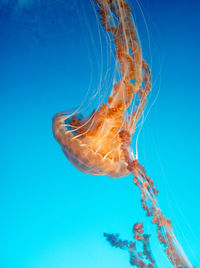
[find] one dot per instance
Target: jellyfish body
(93, 144)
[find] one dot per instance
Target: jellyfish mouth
(81, 154)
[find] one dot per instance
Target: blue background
(52, 215)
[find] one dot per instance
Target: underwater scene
(100, 133)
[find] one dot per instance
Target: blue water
(52, 215)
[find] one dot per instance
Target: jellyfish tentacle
(163, 225)
(138, 259)
(149, 203)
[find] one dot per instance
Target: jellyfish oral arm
(165, 232)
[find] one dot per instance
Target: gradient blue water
(52, 215)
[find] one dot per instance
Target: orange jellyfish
(100, 143)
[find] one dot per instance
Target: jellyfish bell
(91, 144)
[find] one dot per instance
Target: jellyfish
(100, 143)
